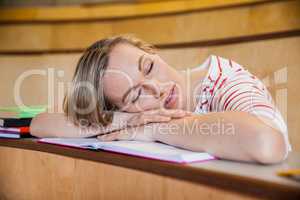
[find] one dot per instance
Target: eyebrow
(140, 62)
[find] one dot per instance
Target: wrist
(152, 130)
(120, 120)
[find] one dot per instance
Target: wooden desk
(31, 170)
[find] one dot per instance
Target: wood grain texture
(58, 177)
(51, 176)
(215, 25)
(112, 11)
(110, 182)
(26, 175)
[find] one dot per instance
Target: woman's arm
(58, 125)
(229, 135)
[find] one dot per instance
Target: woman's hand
(138, 133)
(134, 129)
(155, 116)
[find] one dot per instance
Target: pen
(289, 172)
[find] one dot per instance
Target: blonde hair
(90, 70)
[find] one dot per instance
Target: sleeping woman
(123, 90)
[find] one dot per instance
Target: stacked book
(15, 121)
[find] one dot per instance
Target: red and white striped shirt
(229, 87)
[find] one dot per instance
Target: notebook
(15, 130)
(14, 122)
(18, 132)
(151, 150)
(14, 135)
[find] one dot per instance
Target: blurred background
(48, 37)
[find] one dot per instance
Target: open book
(152, 150)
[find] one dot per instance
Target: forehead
(122, 71)
(123, 55)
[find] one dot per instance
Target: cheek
(165, 73)
(149, 103)
(144, 104)
(115, 87)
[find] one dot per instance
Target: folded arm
(229, 135)
(58, 125)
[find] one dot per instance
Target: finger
(126, 134)
(118, 135)
(147, 118)
(174, 113)
(165, 112)
(183, 113)
(188, 113)
(108, 137)
(155, 119)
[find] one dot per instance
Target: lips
(171, 98)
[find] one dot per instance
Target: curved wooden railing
(218, 26)
(119, 10)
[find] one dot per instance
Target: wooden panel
(34, 88)
(111, 11)
(263, 58)
(211, 25)
(28, 174)
(110, 182)
(47, 37)
(27, 3)
(215, 24)
(247, 178)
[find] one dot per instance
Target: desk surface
(242, 177)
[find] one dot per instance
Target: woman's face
(137, 81)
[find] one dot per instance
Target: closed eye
(137, 96)
(149, 68)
